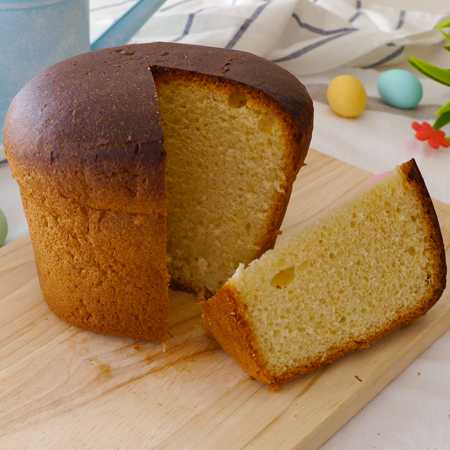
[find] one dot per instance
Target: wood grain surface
(63, 388)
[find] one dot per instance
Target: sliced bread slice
(372, 266)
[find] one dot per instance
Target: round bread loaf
(138, 161)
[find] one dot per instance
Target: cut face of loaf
(373, 265)
(230, 166)
(152, 162)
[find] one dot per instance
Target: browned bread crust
(225, 318)
(96, 271)
(439, 270)
(85, 143)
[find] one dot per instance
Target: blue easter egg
(400, 88)
(3, 228)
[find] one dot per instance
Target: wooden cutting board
(63, 388)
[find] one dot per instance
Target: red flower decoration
(425, 132)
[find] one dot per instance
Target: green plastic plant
(439, 74)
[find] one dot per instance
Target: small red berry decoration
(425, 132)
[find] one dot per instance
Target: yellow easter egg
(346, 96)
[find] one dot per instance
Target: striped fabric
(306, 37)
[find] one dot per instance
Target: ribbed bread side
(292, 327)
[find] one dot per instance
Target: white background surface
(414, 411)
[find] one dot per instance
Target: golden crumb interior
(226, 154)
(340, 281)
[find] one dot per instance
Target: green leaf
(443, 24)
(443, 116)
(446, 35)
(438, 74)
(443, 109)
(442, 120)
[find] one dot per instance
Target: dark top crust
(97, 115)
(238, 66)
(86, 124)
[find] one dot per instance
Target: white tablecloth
(317, 40)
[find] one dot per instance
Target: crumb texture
(229, 165)
(372, 265)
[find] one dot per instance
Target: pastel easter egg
(346, 96)
(400, 88)
(3, 228)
